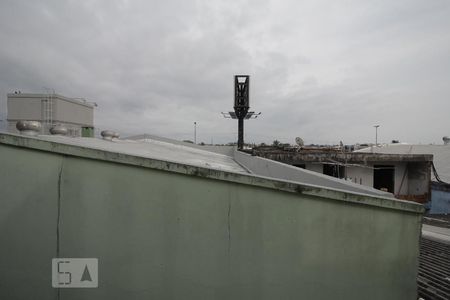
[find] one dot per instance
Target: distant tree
(262, 144)
(188, 141)
(202, 144)
(276, 143)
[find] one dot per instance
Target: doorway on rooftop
(383, 178)
(334, 170)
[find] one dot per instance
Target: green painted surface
(28, 210)
(87, 132)
(166, 235)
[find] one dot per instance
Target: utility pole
(376, 134)
(195, 132)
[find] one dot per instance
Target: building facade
(77, 115)
(440, 177)
(407, 176)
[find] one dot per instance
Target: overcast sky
(323, 70)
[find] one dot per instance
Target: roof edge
(239, 178)
(78, 101)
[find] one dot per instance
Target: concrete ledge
(241, 178)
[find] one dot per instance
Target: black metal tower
(241, 105)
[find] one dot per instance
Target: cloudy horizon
(325, 71)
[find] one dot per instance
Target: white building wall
(360, 175)
(70, 112)
(364, 175)
(399, 176)
(26, 108)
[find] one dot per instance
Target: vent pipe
(59, 130)
(109, 135)
(29, 127)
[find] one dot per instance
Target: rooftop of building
(327, 154)
(176, 157)
(80, 101)
(155, 149)
(441, 155)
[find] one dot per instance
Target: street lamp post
(195, 132)
(376, 134)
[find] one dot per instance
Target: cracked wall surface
(163, 235)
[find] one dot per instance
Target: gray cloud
(322, 70)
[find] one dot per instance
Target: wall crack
(229, 224)
(58, 215)
(58, 207)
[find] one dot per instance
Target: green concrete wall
(163, 235)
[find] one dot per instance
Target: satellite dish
(446, 140)
(299, 141)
